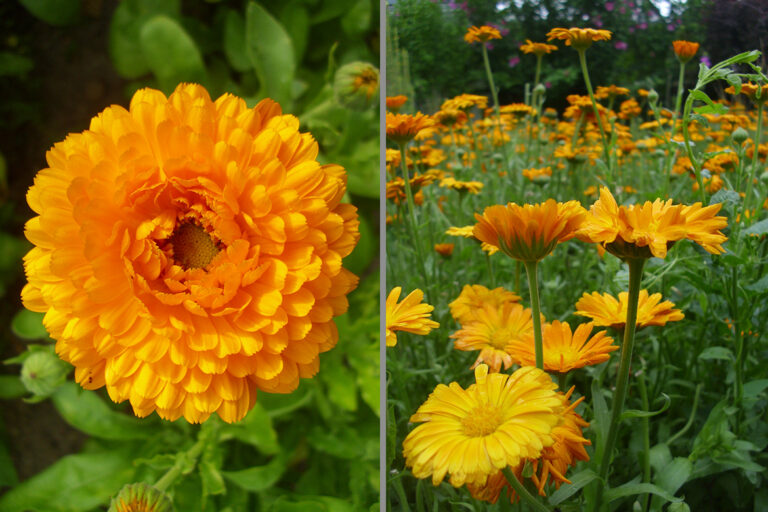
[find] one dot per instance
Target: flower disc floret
(188, 253)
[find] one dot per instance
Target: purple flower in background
(514, 61)
(620, 45)
(631, 30)
(547, 84)
(671, 27)
(705, 60)
(489, 46)
(631, 5)
(609, 6)
(622, 9)
(598, 22)
(643, 26)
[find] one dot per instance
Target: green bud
(356, 85)
(140, 497)
(43, 372)
(678, 507)
(653, 96)
(540, 89)
(739, 135)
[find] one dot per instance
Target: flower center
(499, 338)
(193, 247)
(481, 421)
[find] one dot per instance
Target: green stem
(207, 432)
(398, 485)
(490, 270)
(688, 424)
(585, 72)
(689, 148)
(622, 378)
(533, 288)
(496, 109)
(521, 491)
(412, 213)
(646, 438)
(561, 376)
(679, 100)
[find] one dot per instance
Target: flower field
(577, 297)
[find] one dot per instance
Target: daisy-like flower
(481, 34)
(450, 116)
(642, 231)
(607, 91)
(409, 316)
(395, 103)
(565, 350)
(471, 434)
(466, 101)
(579, 38)
(517, 109)
(188, 253)
(685, 50)
(445, 250)
(541, 174)
(468, 232)
(606, 311)
(476, 296)
(473, 187)
(537, 49)
(495, 331)
(531, 231)
(140, 497)
(751, 91)
(401, 128)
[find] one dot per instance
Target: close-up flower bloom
(579, 38)
(474, 297)
(481, 34)
(471, 434)
(410, 315)
(188, 253)
(606, 311)
(531, 231)
(401, 128)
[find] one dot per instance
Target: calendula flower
(476, 296)
(188, 253)
(565, 350)
(140, 497)
(608, 91)
(494, 331)
(401, 128)
(642, 231)
(541, 174)
(579, 38)
(529, 232)
(751, 91)
(537, 49)
(685, 50)
(481, 34)
(395, 103)
(471, 434)
(409, 316)
(606, 311)
(450, 116)
(473, 187)
(466, 101)
(445, 250)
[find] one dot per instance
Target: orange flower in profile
(481, 34)
(537, 49)
(394, 103)
(445, 250)
(476, 296)
(685, 50)
(579, 38)
(565, 350)
(529, 232)
(188, 253)
(473, 187)
(450, 116)
(606, 311)
(466, 101)
(494, 331)
(408, 316)
(751, 90)
(401, 128)
(642, 231)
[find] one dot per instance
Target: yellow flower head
(531, 231)
(537, 49)
(607, 91)
(395, 103)
(606, 311)
(474, 297)
(408, 316)
(751, 91)
(642, 231)
(445, 250)
(466, 101)
(188, 253)
(494, 331)
(403, 127)
(517, 109)
(471, 434)
(481, 34)
(450, 116)
(473, 187)
(565, 350)
(685, 50)
(579, 38)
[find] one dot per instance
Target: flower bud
(140, 497)
(356, 85)
(653, 96)
(42, 373)
(739, 135)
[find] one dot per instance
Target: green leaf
(255, 429)
(234, 41)
(13, 64)
(278, 405)
(674, 474)
(753, 388)
(738, 459)
(760, 286)
(332, 9)
(29, 325)
(342, 385)
(73, 483)
(636, 489)
(258, 478)
(759, 228)
(365, 250)
(11, 387)
(311, 504)
(660, 456)
(171, 53)
(600, 423)
(88, 413)
(8, 475)
(295, 18)
(636, 413)
(271, 52)
(213, 483)
(717, 353)
(54, 12)
(578, 480)
(357, 19)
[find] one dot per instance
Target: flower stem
(646, 439)
(689, 147)
(521, 491)
(622, 378)
(679, 100)
(606, 149)
(491, 276)
(495, 97)
(206, 435)
(411, 212)
(533, 287)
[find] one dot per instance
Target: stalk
(411, 212)
(521, 491)
(533, 287)
(646, 439)
(585, 72)
(495, 97)
(679, 100)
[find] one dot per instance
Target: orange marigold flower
(408, 316)
(565, 350)
(531, 231)
(394, 103)
(474, 297)
(751, 91)
(514, 414)
(685, 50)
(494, 331)
(466, 101)
(450, 116)
(140, 497)
(445, 250)
(606, 91)
(188, 253)
(473, 187)
(403, 127)
(481, 34)
(517, 109)
(642, 231)
(579, 38)
(606, 311)
(537, 49)
(541, 174)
